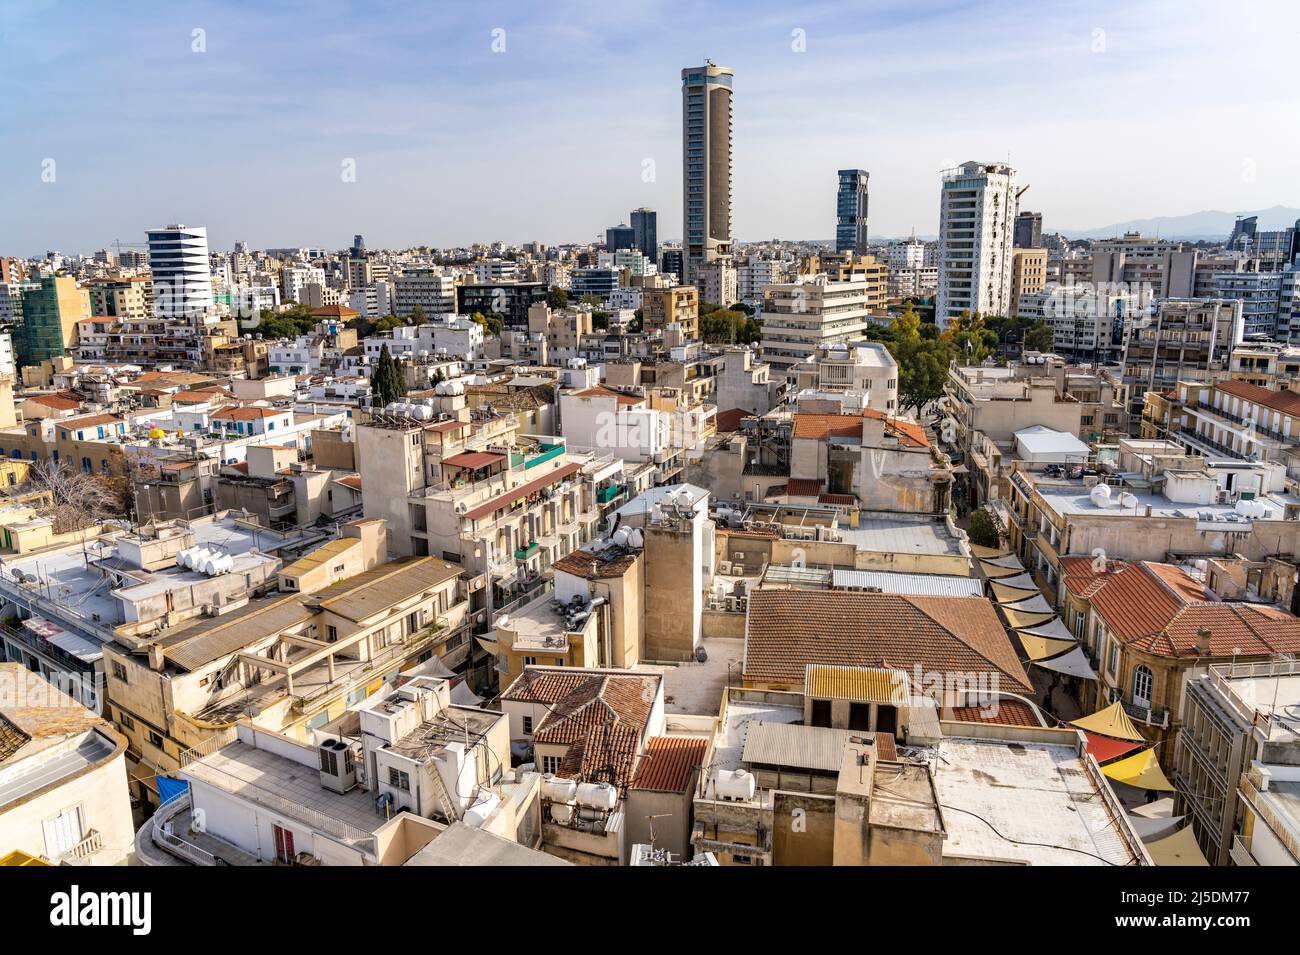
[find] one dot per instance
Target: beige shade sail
(1112, 722)
(1142, 771)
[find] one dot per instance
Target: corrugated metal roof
(921, 585)
(795, 745)
(856, 684)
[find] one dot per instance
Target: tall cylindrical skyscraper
(706, 166)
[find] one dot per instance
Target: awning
(169, 789)
(1074, 663)
(1007, 560)
(1044, 648)
(473, 459)
(988, 553)
(994, 572)
(1112, 722)
(1020, 582)
(462, 695)
(1053, 628)
(1178, 849)
(1141, 771)
(491, 646)
(1007, 594)
(1153, 830)
(1103, 749)
(1032, 604)
(1027, 620)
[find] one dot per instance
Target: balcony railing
(1211, 443)
(527, 551)
(1146, 713)
(90, 843)
(1239, 854)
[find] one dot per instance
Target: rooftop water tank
(597, 796)
(734, 784)
(1100, 495)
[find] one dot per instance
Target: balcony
(527, 551)
(607, 494)
(1145, 713)
(1239, 854)
(1210, 443)
(80, 854)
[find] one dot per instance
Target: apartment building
(51, 313)
(1235, 420)
(864, 375)
(743, 381)
(468, 487)
(1235, 762)
(679, 305)
(63, 787)
(1028, 273)
(800, 316)
(1186, 339)
(706, 166)
(977, 210)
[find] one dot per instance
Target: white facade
(295, 280)
(182, 280)
(815, 311)
(977, 213)
(434, 293)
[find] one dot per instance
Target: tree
(1039, 337)
(557, 297)
(983, 529)
(492, 325)
(386, 382)
(76, 499)
(721, 325)
(922, 371)
(388, 323)
(417, 316)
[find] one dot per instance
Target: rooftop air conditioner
(724, 567)
(338, 771)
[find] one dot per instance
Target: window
(398, 779)
(528, 726)
(331, 633)
(119, 672)
(530, 661)
(1143, 684)
(125, 721)
(156, 738)
(62, 832)
(551, 764)
(1112, 659)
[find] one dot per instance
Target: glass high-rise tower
(851, 211)
(706, 166)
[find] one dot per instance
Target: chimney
(1203, 642)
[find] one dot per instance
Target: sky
(300, 124)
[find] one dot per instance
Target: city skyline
(443, 127)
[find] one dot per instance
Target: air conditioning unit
(338, 771)
(738, 557)
(724, 567)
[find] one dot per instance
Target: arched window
(1143, 685)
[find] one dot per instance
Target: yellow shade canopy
(1043, 648)
(988, 553)
(1142, 771)
(1006, 594)
(1112, 722)
(1027, 620)
(1178, 849)
(993, 571)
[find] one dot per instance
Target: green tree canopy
(983, 529)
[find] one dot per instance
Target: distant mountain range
(1210, 224)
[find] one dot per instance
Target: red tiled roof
(823, 426)
(730, 419)
(235, 413)
(788, 629)
(352, 480)
(804, 487)
(909, 433)
(1082, 578)
(334, 311)
(523, 490)
(56, 402)
(601, 392)
(1160, 609)
(669, 762)
(95, 419)
(1287, 402)
(1004, 712)
(843, 500)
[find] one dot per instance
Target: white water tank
(597, 796)
(635, 539)
(1251, 508)
(561, 814)
(558, 790)
(621, 536)
(734, 784)
(1100, 495)
(478, 813)
(1128, 500)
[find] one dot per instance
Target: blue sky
(1109, 111)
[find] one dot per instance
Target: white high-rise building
(977, 215)
(182, 278)
(706, 166)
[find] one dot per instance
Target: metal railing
(1146, 713)
(174, 843)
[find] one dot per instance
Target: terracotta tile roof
(909, 433)
(601, 392)
(1082, 578)
(57, 402)
(473, 459)
(844, 500)
(730, 419)
(580, 563)
(352, 480)
(95, 419)
(804, 487)
(601, 717)
(823, 426)
(788, 629)
(236, 413)
(1287, 402)
(1160, 609)
(1006, 712)
(669, 762)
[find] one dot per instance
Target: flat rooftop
(729, 745)
(1031, 802)
(287, 786)
(900, 534)
(1072, 498)
(536, 626)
